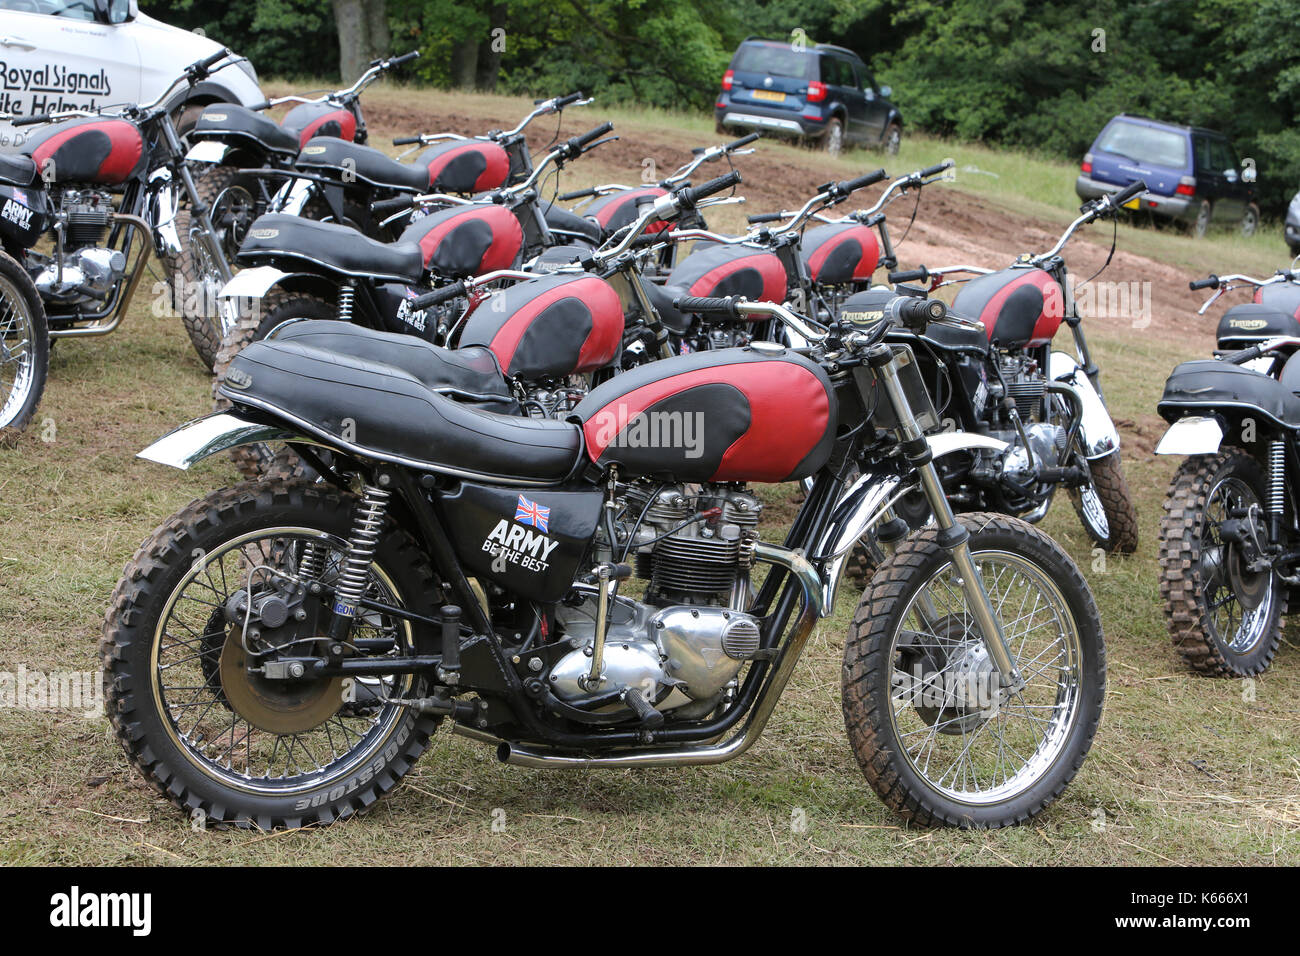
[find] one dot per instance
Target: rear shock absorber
(367, 523)
(1276, 486)
(347, 295)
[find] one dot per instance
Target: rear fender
(212, 434)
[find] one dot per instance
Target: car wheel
(1201, 225)
(893, 137)
(719, 128)
(832, 141)
(1250, 220)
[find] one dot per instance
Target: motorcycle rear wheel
(24, 346)
(963, 759)
(190, 729)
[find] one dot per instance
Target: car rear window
(779, 60)
(1145, 144)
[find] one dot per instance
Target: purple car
(1192, 174)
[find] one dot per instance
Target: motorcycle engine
(84, 271)
(684, 642)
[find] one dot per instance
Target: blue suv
(1192, 174)
(822, 93)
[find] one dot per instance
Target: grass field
(1185, 770)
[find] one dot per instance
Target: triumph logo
(314, 150)
(215, 117)
(1249, 325)
(238, 378)
(17, 213)
(264, 233)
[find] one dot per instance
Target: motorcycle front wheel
(192, 704)
(934, 734)
(1105, 506)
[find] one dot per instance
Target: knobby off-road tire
(883, 634)
(1116, 503)
(24, 346)
(1188, 587)
(196, 307)
(145, 714)
(261, 460)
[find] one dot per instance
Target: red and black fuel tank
(94, 150)
(840, 252)
(552, 326)
(724, 415)
(619, 209)
(1249, 324)
(1019, 306)
(319, 119)
(467, 240)
(465, 166)
(732, 269)
(1283, 296)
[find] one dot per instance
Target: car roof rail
(837, 49)
(1186, 126)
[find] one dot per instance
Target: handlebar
(921, 274)
(438, 296)
(1212, 282)
(577, 144)
(762, 217)
(576, 194)
(688, 197)
(841, 190)
(1128, 192)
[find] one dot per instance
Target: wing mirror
(886, 91)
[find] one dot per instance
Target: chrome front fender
(163, 202)
(1096, 431)
(210, 435)
(869, 499)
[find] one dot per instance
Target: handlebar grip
(438, 296)
(564, 101)
(763, 217)
(581, 142)
(852, 185)
(917, 313)
(936, 169)
(258, 107)
(1211, 282)
(205, 64)
(31, 120)
(576, 194)
(690, 196)
(403, 59)
(701, 305)
(1242, 357)
(743, 141)
(910, 275)
(387, 206)
(406, 140)
(1128, 192)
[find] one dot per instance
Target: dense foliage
(1028, 73)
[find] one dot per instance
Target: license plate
(769, 95)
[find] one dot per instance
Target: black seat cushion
(227, 121)
(464, 374)
(335, 246)
(1207, 384)
(384, 412)
(17, 169)
(369, 165)
(571, 224)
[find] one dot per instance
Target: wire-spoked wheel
(933, 730)
(24, 346)
(191, 698)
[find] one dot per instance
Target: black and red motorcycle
(83, 205)
(241, 630)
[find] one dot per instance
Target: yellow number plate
(769, 95)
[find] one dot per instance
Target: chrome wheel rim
(236, 203)
(1233, 627)
(986, 757)
(1094, 513)
(895, 138)
(217, 740)
(17, 352)
(1249, 223)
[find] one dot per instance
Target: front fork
(952, 535)
(199, 210)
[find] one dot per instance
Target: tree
(363, 34)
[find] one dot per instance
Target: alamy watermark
(78, 691)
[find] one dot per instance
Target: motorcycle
(1041, 411)
(1273, 313)
(243, 157)
(469, 566)
(1229, 542)
(103, 187)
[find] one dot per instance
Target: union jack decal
(530, 512)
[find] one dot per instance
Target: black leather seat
(335, 246)
(369, 165)
(384, 412)
(571, 224)
(1207, 384)
(225, 120)
(469, 374)
(17, 169)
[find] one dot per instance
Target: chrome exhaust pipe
(704, 754)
